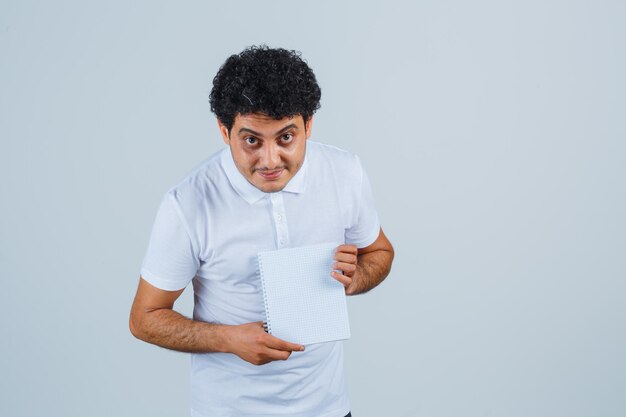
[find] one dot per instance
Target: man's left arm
(363, 268)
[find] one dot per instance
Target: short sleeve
(171, 261)
(366, 225)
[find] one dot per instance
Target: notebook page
(303, 303)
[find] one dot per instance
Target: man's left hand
(346, 262)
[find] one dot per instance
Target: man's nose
(270, 157)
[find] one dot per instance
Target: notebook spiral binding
(267, 324)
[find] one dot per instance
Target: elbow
(132, 327)
(391, 255)
(135, 327)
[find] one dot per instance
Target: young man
(271, 188)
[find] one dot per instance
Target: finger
(269, 355)
(344, 279)
(260, 325)
(345, 267)
(279, 344)
(277, 355)
(347, 248)
(346, 257)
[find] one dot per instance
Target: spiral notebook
(303, 302)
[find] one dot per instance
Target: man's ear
(308, 127)
(224, 132)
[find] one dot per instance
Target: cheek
(245, 159)
(252, 159)
(299, 155)
(295, 154)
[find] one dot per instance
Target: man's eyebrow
(245, 129)
(284, 129)
(289, 126)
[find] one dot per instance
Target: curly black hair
(271, 81)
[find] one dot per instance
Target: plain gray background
(493, 133)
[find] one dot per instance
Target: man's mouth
(271, 175)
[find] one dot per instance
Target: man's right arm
(153, 320)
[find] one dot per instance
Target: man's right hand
(253, 344)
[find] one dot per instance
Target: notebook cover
(303, 302)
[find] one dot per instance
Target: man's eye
(287, 137)
(250, 140)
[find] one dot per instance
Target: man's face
(267, 152)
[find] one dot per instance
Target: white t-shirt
(208, 231)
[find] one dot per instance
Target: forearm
(169, 329)
(371, 269)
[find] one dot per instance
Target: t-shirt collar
(249, 192)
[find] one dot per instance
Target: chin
(271, 188)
